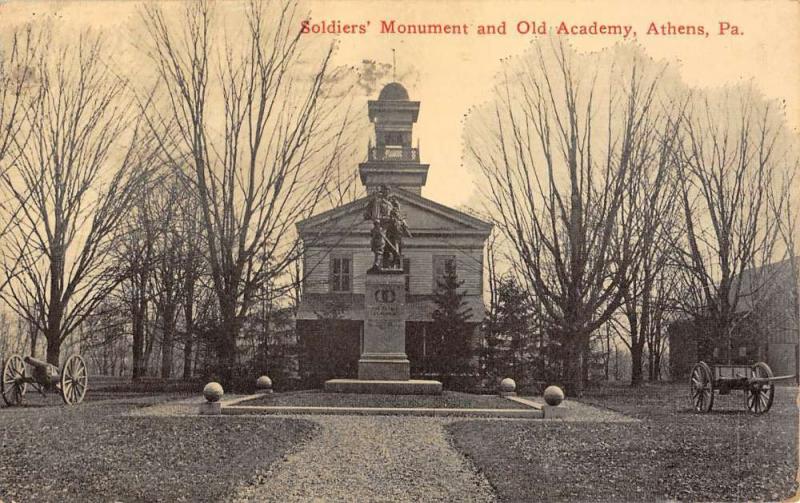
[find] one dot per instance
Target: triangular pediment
(421, 214)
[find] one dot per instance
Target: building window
(394, 139)
(442, 264)
(407, 273)
(341, 277)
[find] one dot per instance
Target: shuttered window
(341, 276)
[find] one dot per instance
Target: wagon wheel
(12, 385)
(701, 386)
(74, 380)
(759, 396)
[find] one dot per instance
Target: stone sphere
(553, 395)
(213, 391)
(264, 382)
(508, 385)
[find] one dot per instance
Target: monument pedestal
(383, 356)
(384, 366)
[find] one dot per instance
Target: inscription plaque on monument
(384, 354)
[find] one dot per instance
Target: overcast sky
(450, 73)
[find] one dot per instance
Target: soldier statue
(388, 230)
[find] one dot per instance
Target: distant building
(337, 251)
(767, 329)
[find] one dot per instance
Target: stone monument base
(387, 387)
(384, 367)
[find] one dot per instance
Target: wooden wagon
(757, 381)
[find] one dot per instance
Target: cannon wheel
(74, 380)
(759, 396)
(11, 385)
(701, 386)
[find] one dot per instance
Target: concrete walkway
(375, 458)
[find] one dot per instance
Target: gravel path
(375, 458)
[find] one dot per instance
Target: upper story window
(341, 274)
(442, 264)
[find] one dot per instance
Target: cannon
(71, 381)
(757, 381)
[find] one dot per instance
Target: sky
(449, 74)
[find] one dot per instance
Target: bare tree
(168, 271)
(267, 163)
(72, 183)
(734, 141)
(664, 311)
(649, 216)
(135, 262)
(193, 269)
(17, 76)
(556, 163)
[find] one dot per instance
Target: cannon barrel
(35, 362)
(767, 380)
(43, 372)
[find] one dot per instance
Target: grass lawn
(447, 400)
(727, 455)
(92, 452)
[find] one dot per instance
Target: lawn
(92, 452)
(447, 400)
(672, 454)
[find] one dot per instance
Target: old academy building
(331, 314)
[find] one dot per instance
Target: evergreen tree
(451, 330)
(510, 340)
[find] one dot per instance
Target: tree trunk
(34, 338)
(53, 350)
(187, 357)
(138, 343)
(168, 322)
(636, 362)
(53, 333)
(226, 344)
(656, 367)
(573, 366)
(188, 318)
(148, 350)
